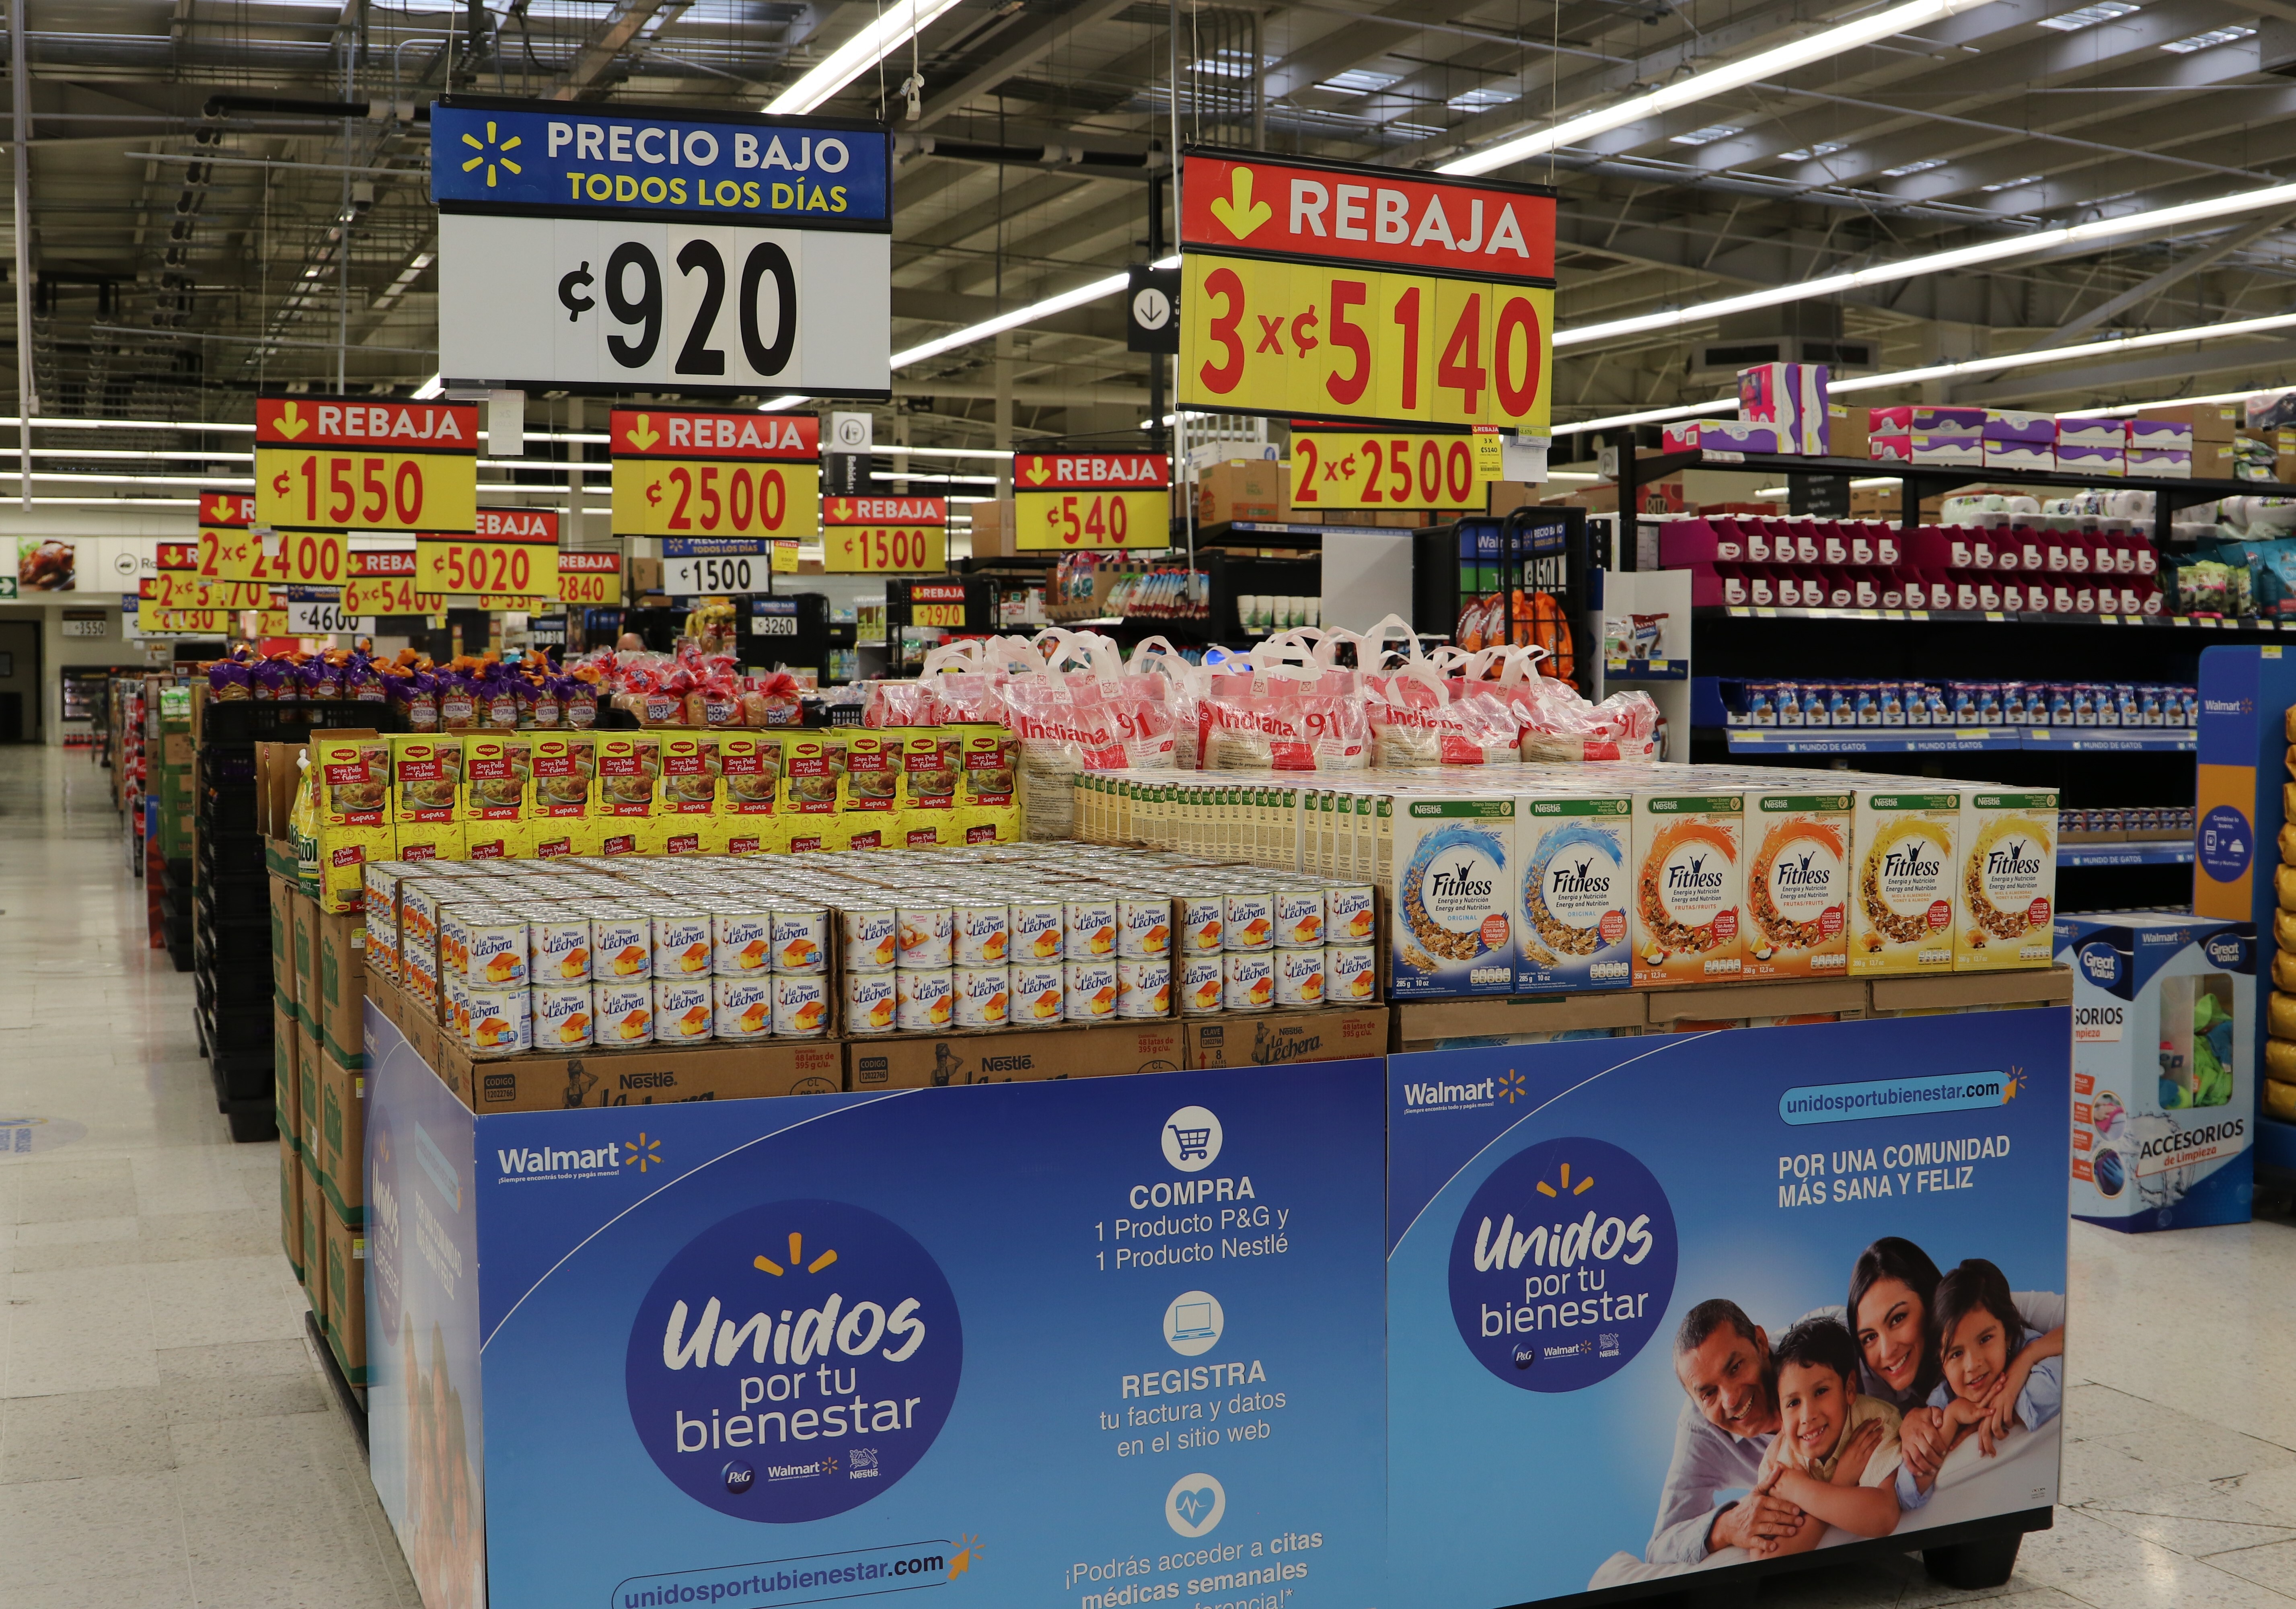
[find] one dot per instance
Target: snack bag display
(2004, 899)
(1689, 887)
(1797, 884)
(1903, 845)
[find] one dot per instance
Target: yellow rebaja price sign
(1390, 469)
(883, 549)
(466, 566)
(1060, 521)
(1332, 340)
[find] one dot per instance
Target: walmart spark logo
(644, 1153)
(493, 153)
(796, 1259)
(1580, 1189)
(1511, 1088)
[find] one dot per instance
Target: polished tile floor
(167, 1437)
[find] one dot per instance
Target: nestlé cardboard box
(1014, 1055)
(1273, 1039)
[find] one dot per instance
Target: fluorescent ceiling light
(2030, 178)
(2190, 43)
(1360, 81)
(429, 387)
(1482, 98)
(1808, 152)
(2088, 16)
(1904, 171)
(1014, 320)
(2094, 348)
(1715, 81)
(886, 34)
(1705, 135)
(1936, 262)
(2165, 402)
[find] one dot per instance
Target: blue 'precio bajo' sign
(553, 157)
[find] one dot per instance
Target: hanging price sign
(1344, 291)
(689, 475)
(590, 580)
(383, 584)
(177, 583)
(1064, 501)
(884, 536)
(510, 552)
(334, 463)
(1356, 469)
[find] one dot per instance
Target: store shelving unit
(1958, 740)
(2125, 854)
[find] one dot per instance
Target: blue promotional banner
(1024, 1344)
(575, 160)
(1668, 1304)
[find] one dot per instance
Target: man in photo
(1729, 1422)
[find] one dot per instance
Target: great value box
(2164, 1092)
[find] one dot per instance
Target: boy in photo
(1836, 1455)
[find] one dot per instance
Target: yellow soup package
(351, 821)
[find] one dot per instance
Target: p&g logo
(1564, 1259)
(816, 1342)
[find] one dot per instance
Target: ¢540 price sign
(338, 465)
(1069, 501)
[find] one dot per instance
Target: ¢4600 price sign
(1266, 337)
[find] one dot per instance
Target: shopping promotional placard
(1019, 1343)
(1617, 1276)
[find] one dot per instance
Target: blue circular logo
(815, 1342)
(2225, 843)
(1563, 1265)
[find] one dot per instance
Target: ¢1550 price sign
(334, 464)
(1064, 501)
(884, 536)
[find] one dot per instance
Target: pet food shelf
(2124, 854)
(2000, 617)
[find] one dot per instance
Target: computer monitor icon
(1192, 1321)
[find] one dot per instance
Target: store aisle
(166, 1438)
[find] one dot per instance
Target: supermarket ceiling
(232, 194)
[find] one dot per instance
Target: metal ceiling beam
(1037, 43)
(2173, 275)
(605, 46)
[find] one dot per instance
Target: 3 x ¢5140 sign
(1319, 341)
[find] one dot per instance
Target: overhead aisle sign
(745, 478)
(510, 559)
(1337, 290)
(884, 536)
(383, 584)
(699, 251)
(1065, 502)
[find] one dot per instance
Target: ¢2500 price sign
(1318, 340)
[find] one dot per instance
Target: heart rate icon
(1195, 1505)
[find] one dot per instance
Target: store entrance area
(167, 1436)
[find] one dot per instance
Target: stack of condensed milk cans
(610, 952)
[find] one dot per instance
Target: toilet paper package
(2164, 1096)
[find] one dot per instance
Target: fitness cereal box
(1797, 882)
(2004, 899)
(1689, 887)
(1572, 852)
(1904, 844)
(1452, 896)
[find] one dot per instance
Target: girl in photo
(1979, 1336)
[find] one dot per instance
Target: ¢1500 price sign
(332, 464)
(1334, 291)
(884, 536)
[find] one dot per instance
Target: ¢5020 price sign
(334, 463)
(1341, 291)
(513, 552)
(1067, 501)
(884, 536)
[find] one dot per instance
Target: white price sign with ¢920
(700, 308)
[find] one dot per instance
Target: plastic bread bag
(1286, 707)
(1181, 696)
(1063, 727)
(1419, 717)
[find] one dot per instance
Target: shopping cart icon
(1195, 1143)
(1192, 1321)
